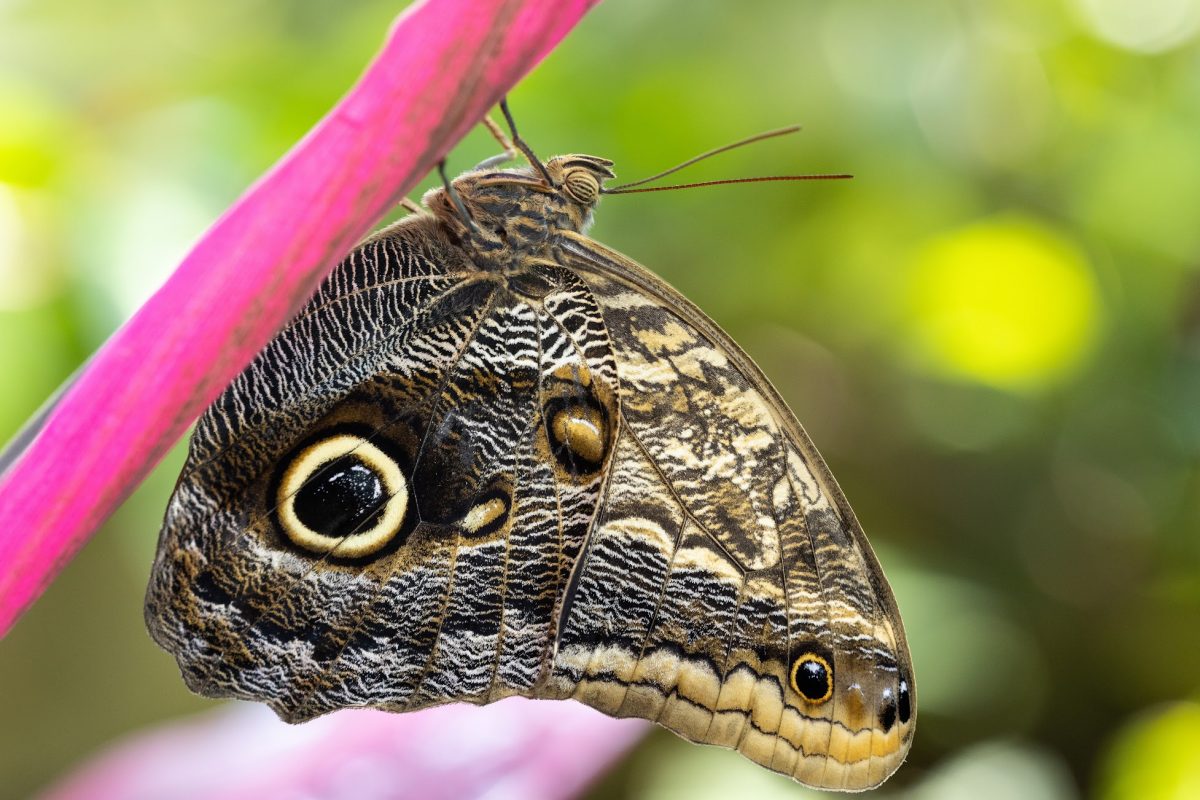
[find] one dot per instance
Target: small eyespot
(904, 703)
(581, 430)
(487, 514)
(887, 711)
(342, 494)
(578, 432)
(812, 678)
(582, 185)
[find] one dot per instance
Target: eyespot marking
(812, 678)
(342, 492)
(887, 713)
(487, 515)
(904, 703)
(579, 433)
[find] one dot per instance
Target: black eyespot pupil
(905, 707)
(343, 497)
(812, 679)
(887, 715)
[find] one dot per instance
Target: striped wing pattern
(480, 465)
(745, 554)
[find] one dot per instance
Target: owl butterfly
(494, 457)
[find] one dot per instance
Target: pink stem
(444, 65)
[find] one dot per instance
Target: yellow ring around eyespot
(801, 661)
(308, 462)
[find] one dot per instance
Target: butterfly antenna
(763, 179)
(521, 144)
(732, 146)
(454, 198)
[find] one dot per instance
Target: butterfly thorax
(515, 215)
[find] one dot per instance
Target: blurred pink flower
(517, 748)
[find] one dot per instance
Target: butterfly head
(508, 215)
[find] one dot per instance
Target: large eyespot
(578, 432)
(342, 492)
(581, 184)
(905, 702)
(812, 678)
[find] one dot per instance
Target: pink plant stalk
(445, 63)
(518, 749)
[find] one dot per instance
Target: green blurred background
(992, 332)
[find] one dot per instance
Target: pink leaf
(444, 64)
(516, 748)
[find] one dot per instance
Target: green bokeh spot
(1004, 302)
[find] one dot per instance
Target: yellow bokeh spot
(1154, 757)
(32, 135)
(1005, 302)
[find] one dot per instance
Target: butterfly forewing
(494, 457)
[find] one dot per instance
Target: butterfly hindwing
(482, 402)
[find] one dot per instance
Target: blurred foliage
(992, 332)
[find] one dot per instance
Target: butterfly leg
(454, 198)
(522, 145)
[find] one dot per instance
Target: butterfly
(494, 457)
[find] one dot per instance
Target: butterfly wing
(726, 589)
(384, 509)
(445, 484)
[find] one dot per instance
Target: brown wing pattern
(493, 457)
(724, 558)
(486, 430)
